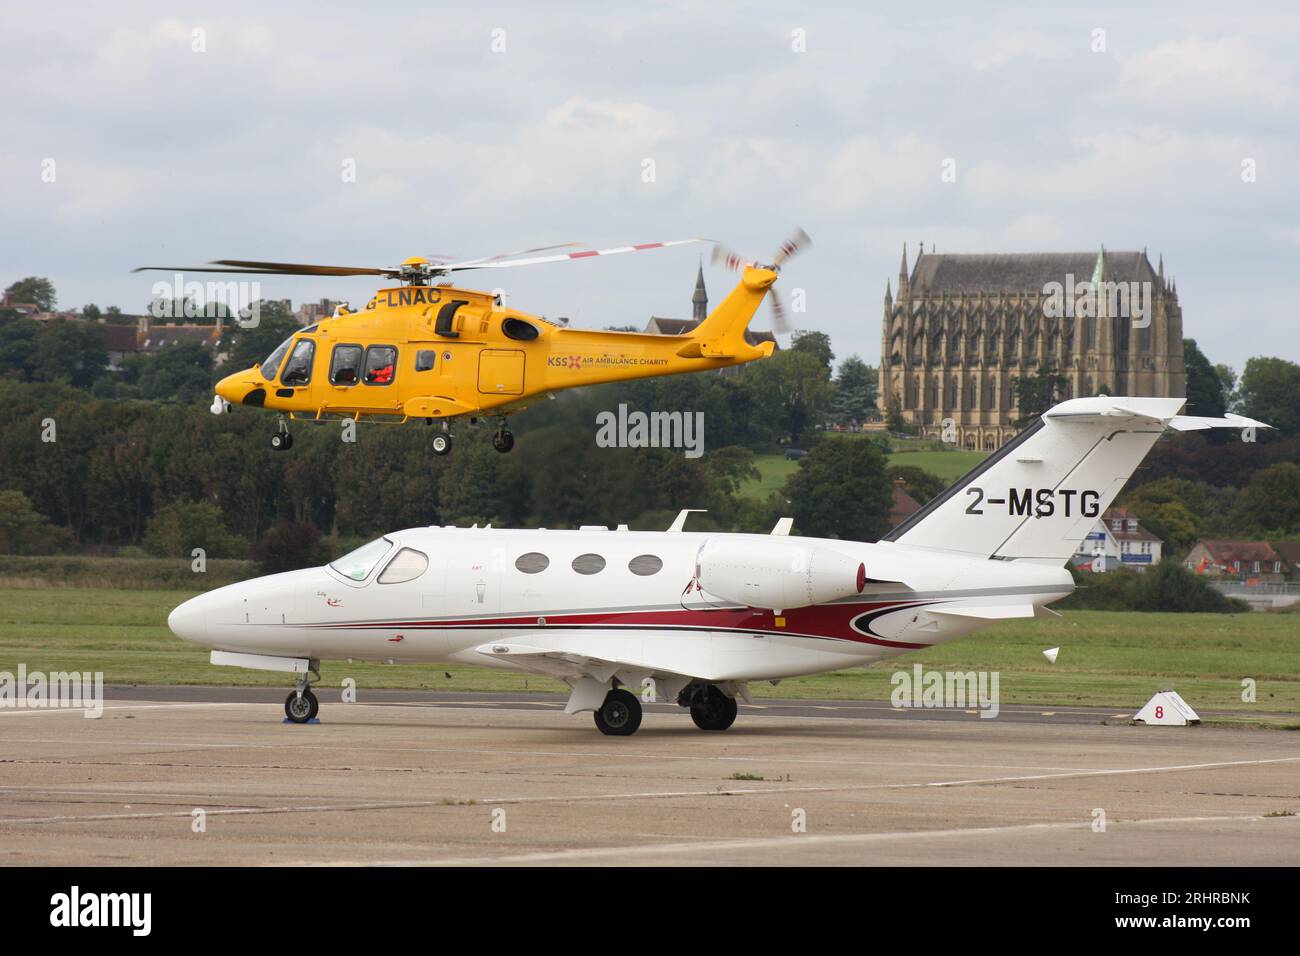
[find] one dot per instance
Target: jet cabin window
(297, 371)
(381, 363)
(345, 366)
(407, 565)
(357, 565)
(271, 366)
(589, 564)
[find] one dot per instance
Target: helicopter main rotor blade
(564, 256)
(506, 255)
(270, 269)
(295, 268)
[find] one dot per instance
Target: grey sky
(165, 155)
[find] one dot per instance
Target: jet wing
(992, 612)
(630, 655)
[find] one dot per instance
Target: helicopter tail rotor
(797, 243)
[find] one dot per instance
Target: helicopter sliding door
(501, 372)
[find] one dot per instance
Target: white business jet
(624, 616)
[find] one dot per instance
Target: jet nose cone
(188, 622)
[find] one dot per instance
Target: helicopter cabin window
(271, 366)
(381, 364)
(519, 330)
(345, 366)
(297, 371)
(425, 359)
(407, 565)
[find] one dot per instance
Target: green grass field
(1111, 659)
(948, 464)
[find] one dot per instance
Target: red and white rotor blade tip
(729, 259)
(510, 255)
(797, 243)
(566, 256)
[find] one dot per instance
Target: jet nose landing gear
(301, 707)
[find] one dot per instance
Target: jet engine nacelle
(777, 574)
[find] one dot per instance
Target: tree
(181, 373)
(1171, 587)
(816, 344)
(1228, 379)
(842, 490)
(855, 392)
(921, 484)
(1270, 392)
(288, 546)
(90, 312)
(1270, 504)
(248, 346)
(24, 530)
(68, 351)
(34, 289)
(180, 527)
(1037, 393)
(791, 391)
(1206, 395)
(894, 421)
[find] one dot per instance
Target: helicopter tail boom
(722, 334)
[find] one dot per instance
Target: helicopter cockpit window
(407, 565)
(425, 359)
(519, 330)
(271, 366)
(381, 364)
(357, 565)
(297, 371)
(345, 365)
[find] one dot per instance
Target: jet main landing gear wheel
(713, 710)
(301, 708)
(503, 440)
(620, 714)
(441, 443)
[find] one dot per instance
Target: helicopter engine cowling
(777, 574)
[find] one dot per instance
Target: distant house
(1118, 540)
(1241, 560)
(119, 342)
(152, 336)
(310, 312)
(903, 505)
(25, 310)
(1290, 554)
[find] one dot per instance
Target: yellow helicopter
(433, 352)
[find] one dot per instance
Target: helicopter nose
(241, 389)
(189, 622)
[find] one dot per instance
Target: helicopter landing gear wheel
(503, 440)
(301, 707)
(713, 710)
(620, 714)
(281, 441)
(441, 443)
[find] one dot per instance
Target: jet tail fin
(1039, 495)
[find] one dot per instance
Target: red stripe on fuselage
(833, 621)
